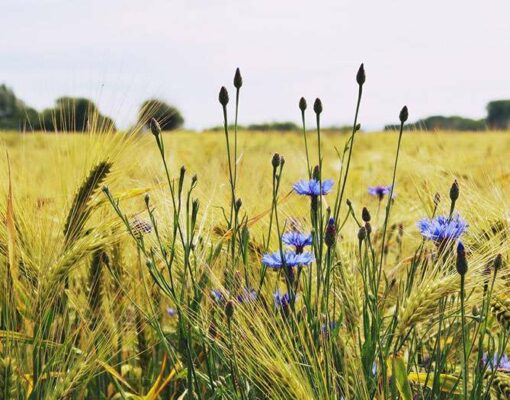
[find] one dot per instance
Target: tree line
(77, 114)
(498, 118)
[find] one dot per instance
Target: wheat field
(122, 282)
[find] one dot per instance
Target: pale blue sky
(437, 56)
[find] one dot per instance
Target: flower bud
(223, 96)
(360, 76)
(454, 191)
(330, 235)
(404, 114)
(238, 79)
(362, 233)
(498, 262)
(147, 199)
(357, 127)
(317, 106)
(461, 263)
(302, 104)
(365, 215)
(349, 203)
(276, 160)
(238, 204)
(229, 309)
(368, 228)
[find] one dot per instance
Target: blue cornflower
(172, 312)
(441, 228)
(281, 300)
(247, 296)
(290, 259)
(218, 296)
(379, 191)
(313, 187)
(297, 239)
(498, 362)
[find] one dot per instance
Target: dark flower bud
(194, 179)
(330, 235)
(498, 262)
(317, 106)
(229, 309)
(155, 128)
(282, 161)
(238, 204)
(147, 199)
(182, 171)
(302, 104)
(365, 215)
(105, 189)
(194, 209)
(238, 79)
(404, 114)
(461, 263)
(437, 199)
(223, 96)
(357, 127)
(360, 76)
(316, 174)
(348, 202)
(454, 191)
(362, 233)
(276, 160)
(368, 228)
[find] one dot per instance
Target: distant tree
(14, 113)
(274, 126)
(168, 116)
(498, 114)
(75, 114)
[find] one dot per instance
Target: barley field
(154, 266)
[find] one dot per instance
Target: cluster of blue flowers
(498, 362)
(441, 228)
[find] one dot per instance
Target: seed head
(229, 309)
(404, 114)
(365, 215)
(155, 128)
(302, 104)
(223, 96)
(238, 79)
(454, 191)
(276, 160)
(317, 106)
(360, 76)
(461, 264)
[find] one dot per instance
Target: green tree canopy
(75, 114)
(14, 113)
(168, 116)
(498, 114)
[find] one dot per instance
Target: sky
(446, 57)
